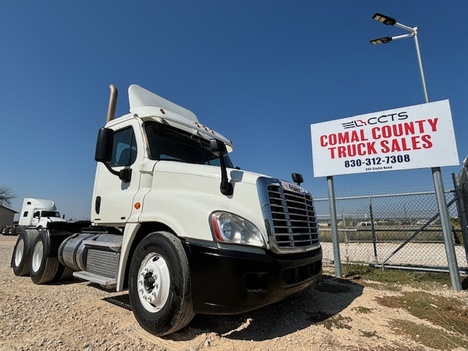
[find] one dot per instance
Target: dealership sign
(410, 137)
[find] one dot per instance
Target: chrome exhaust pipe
(112, 103)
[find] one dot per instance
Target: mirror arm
(225, 186)
(124, 175)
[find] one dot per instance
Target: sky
(259, 72)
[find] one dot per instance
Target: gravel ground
(76, 315)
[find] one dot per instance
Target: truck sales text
(386, 139)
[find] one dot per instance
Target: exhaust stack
(112, 103)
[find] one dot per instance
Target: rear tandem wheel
(21, 257)
(44, 261)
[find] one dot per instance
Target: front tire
(159, 284)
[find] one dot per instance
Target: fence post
(374, 237)
(461, 208)
(446, 228)
(345, 232)
(334, 227)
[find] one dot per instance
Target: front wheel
(159, 284)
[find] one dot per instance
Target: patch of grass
(369, 334)
(428, 336)
(448, 313)
(337, 322)
(396, 276)
(362, 310)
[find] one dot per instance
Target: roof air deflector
(140, 97)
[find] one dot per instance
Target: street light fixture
(383, 40)
(413, 32)
(384, 19)
(436, 172)
(389, 21)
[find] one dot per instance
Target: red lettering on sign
(351, 150)
(406, 144)
(392, 138)
(427, 141)
(323, 141)
(433, 123)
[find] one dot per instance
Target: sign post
(436, 172)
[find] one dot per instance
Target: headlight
(229, 228)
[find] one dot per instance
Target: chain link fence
(401, 230)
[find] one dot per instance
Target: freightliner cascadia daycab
(175, 223)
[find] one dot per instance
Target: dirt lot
(352, 314)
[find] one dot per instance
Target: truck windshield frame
(171, 144)
(50, 214)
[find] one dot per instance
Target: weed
(396, 276)
(443, 311)
(362, 310)
(428, 336)
(355, 270)
(448, 313)
(337, 322)
(369, 334)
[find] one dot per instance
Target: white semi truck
(38, 212)
(35, 213)
(177, 225)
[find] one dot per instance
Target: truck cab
(149, 144)
(38, 212)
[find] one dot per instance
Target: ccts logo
(392, 117)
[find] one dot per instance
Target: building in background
(6, 216)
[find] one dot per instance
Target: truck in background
(35, 213)
(38, 212)
(35, 216)
(175, 223)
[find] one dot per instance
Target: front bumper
(230, 281)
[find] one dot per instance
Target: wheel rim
(19, 252)
(153, 282)
(37, 255)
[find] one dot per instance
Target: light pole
(413, 32)
(436, 172)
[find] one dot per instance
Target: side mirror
(125, 175)
(297, 178)
(104, 145)
(104, 153)
(218, 147)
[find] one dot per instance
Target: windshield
(50, 214)
(172, 144)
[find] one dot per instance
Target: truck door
(113, 197)
(36, 217)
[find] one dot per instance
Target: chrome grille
(293, 218)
